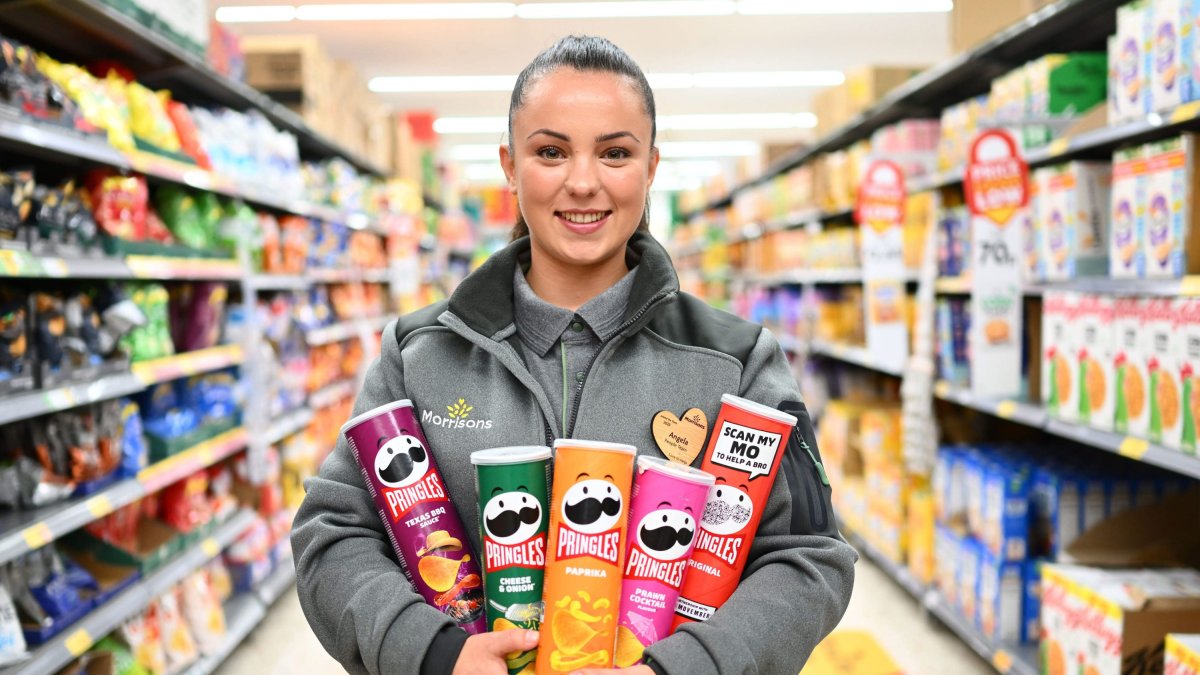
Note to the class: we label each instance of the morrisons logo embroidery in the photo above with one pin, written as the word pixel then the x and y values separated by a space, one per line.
pixel 456 417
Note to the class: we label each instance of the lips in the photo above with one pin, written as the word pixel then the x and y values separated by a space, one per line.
pixel 506 523
pixel 665 537
pixel 583 228
pixel 589 510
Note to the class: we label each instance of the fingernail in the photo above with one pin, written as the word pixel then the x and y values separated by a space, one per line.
pixel 531 637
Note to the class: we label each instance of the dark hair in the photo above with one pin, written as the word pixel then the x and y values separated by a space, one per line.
pixel 583 53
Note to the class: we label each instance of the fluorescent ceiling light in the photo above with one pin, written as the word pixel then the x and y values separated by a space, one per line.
pixel 783 7
pixel 470 125
pixel 671 80
pixel 256 14
pixel 447 83
pixel 709 149
pixel 625 9
pixel 417 11
pixel 689 168
pixel 734 121
pixel 770 79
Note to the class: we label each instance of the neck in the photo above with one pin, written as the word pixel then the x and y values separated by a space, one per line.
pixel 571 286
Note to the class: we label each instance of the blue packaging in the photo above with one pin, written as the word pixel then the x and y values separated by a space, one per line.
pixel 946 547
pixel 1031 603
pixel 1001 598
pixel 1006 511
pixel 970 555
pixel 974 467
pixel 1057 510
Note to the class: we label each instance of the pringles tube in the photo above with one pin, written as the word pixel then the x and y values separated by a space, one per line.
pixel 513 485
pixel 743 453
pixel 588 514
pixel 664 513
pixel 422 524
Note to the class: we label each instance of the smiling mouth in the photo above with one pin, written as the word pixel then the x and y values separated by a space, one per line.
pixel 588 218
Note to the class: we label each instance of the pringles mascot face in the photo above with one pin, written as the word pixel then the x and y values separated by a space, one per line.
pixel 666 533
pixel 728 510
pixel 401 461
pixel 592 505
pixel 510 518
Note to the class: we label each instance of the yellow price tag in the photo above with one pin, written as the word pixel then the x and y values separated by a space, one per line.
pixel 60 398
pixel 37 536
pixel 210 547
pixel 1134 448
pixel 1189 285
pixel 1002 661
pixel 941 389
pixel 99 506
pixel 1059 146
pixel 78 642
pixel 55 267
pixel 1006 409
pixel 1186 112
pixel 10 261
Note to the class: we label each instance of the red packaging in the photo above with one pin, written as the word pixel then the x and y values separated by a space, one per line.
pixel 744 453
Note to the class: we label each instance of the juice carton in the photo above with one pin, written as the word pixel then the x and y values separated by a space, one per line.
pixel 1166 413
pixel 1188 336
pixel 1060 376
pixel 1097 379
pixel 1132 412
pixel 1073 216
pixel 1169 68
pixel 1132 66
pixel 1006 512
pixel 1168 238
pixel 1001 594
pixel 1182 654
pixel 1126 258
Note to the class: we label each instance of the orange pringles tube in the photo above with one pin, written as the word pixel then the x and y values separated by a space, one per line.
pixel 744 453
pixel 581 589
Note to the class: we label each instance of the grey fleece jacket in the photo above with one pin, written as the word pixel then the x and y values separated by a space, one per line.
pixel 673 352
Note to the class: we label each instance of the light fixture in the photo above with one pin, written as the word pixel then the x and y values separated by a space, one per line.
pixel 770 79
pixel 689 168
pixel 442 83
pixel 784 7
pixel 625 9
pixel 671 80
pixel 417 11
pixel 700 149
pixel 256 14
pixel 470 125
pixel 738 121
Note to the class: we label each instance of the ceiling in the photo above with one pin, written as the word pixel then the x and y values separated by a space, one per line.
pixel 660 45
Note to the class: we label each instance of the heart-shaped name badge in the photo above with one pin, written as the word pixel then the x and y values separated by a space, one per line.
pixel 681 439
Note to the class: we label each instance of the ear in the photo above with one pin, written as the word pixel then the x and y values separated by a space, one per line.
pixel 508 163
pixel 654 157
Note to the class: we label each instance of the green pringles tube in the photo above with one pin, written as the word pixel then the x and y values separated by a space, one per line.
pixel 513 485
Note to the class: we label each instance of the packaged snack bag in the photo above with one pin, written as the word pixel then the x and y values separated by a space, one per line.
pixel 744 454
pixel 426 533
pixel 588 514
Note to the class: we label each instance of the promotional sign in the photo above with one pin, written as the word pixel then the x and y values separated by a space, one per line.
pixel 996 185
pixel 880 213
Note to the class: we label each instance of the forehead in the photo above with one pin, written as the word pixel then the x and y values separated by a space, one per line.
pixel 566 96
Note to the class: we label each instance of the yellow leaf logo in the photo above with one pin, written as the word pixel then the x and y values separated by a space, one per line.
pixel 459 410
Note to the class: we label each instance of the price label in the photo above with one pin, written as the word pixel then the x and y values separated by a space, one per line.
pixel 210 547
pixel 1190 285
pixel 55 267
pixel 37 536
pixel 11 262
pixel 1134 448
pixel 1185 112
pixel 1006 409
pixel 941 389
pixel 78 642
pixel 99 506
pixel 1002 661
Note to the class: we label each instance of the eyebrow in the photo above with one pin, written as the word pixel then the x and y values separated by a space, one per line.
pixel 599 139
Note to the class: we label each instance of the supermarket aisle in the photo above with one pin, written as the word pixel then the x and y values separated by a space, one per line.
pixel 283 643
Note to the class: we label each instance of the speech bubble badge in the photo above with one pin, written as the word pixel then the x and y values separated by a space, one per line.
pixel 744 449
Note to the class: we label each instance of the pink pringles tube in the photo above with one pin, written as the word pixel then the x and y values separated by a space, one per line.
pixel 665 509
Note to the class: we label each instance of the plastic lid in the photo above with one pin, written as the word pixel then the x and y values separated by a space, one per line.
pixel 646 462
pixel 595 445
pixel 758 409
pixel 375 412
pixel 517 454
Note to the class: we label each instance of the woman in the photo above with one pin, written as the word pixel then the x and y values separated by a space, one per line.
pixel 575 330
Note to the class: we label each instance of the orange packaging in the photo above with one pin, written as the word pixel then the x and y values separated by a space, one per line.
pixel 589 508
pixel 744 453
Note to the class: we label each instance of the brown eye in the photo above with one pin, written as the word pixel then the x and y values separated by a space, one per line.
pixel 550 153
pixel 616 154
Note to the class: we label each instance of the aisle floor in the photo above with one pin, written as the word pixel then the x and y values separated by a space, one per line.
pixel 283 643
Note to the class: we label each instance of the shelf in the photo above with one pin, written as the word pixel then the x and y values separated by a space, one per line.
pixel 45 401
pixel 1036 416
pixel 953 285
pixel 278 282
pixel 243 613
pixel 330 394
pixel 848 275
pixel 345 330
pixel 858 356
pixel 289 423
pixel 1185 287
pixel 103 620
pixel 23 264
pixel 165 267
pixel 1007 660
pixel 177 467
pixel 1068 25
pixel 187 364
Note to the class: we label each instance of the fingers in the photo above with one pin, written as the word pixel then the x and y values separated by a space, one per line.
pixel 505 641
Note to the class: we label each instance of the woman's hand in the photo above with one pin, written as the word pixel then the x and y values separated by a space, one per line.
pixel 483 654
pixel 635 670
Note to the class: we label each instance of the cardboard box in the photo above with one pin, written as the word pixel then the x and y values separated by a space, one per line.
pixel 288 63
pixel 1072 215
pixel 1168 69
pixel 1060 344
pixel 1058 498
pixel 974 21
pixel 1066 84
pixel 1031 603
pixel 1128 214
pixel 970 557
pixel 1190 39
pixel 1171 238
pixel 947 544
pixel 1188 335
pixel 1006 511
pixel 881 435
pixel 1132 411
pixel 1163 347
pixel 1001 596
pixel 1182 654
pixel 921 536
pixel 1097 393
pixel 1131 76
pixel 865 86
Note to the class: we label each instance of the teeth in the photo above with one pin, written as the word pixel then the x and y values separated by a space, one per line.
pixel 582 218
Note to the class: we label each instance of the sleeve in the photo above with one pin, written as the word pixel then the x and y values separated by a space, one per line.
pixel 800 573
pixel 356 598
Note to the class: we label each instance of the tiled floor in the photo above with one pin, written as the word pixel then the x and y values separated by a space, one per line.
pixel 284 645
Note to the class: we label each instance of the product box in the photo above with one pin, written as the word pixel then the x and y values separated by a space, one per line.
pixel 1163 347
pixel 947 502
pixel 1072 215
pixel 947 545
pixel 1191 50
pixel 293 63
pixel 974 21
pixel 1094 491
pixel 1188 337
pixel 974 468
pixel 1031 603
pixel 1001 595
pixel 1132 66
pixel 1132 412
pixel 1170 237
pixel 1065 84
pixel 1057 510
pixel 921 536
pixel 970 555
pixel 1006 512
pixel 1097 391
pixel 1182 654
pixel 1060 344
pixel 1126 258
pixel 1168 62
pixel 880 434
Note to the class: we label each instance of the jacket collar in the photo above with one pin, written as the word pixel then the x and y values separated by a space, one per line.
pixel 484 300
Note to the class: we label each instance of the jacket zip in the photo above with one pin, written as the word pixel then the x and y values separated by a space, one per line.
pixel 570 430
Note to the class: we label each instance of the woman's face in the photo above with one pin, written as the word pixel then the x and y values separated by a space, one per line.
pixel 581 165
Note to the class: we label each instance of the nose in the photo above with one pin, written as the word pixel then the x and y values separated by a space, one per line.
pixel 583 179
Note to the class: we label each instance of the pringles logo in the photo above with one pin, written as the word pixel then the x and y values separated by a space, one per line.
pixel 591 517
pixel 402 466
pixel 511 521
pixel 728 511
pixel 661 544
